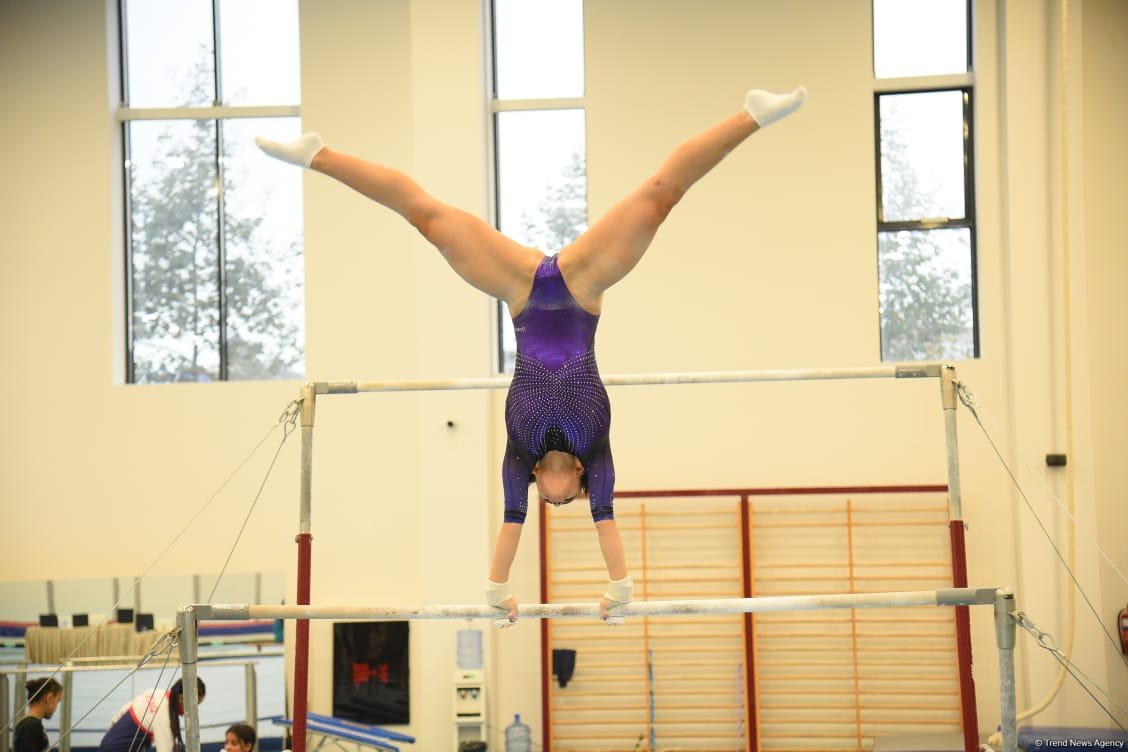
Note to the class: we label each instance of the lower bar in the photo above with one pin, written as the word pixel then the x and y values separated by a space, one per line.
pixel 945 597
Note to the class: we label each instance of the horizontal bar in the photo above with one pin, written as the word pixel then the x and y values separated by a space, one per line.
pixel 519 105
pixel 837 565
pixel 945 597
pixel 634 692
pixel 642 379
pixel 851 706
pixel 566 709
pixel 583 627
pixel 787 491
pixel 64 669
pixel 924 83
pixel 127 114
pixel 599 568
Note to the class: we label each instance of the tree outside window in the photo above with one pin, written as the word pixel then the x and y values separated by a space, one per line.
pixel 925 248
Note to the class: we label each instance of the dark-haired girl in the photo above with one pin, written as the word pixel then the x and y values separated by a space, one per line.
pixel 43 697
pixel 239 738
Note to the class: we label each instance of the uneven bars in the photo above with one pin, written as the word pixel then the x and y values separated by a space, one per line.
pixel 918 371
pixel 945 597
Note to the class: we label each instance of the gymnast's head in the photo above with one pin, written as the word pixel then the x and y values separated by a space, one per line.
pixel 43 696
pixel 176 695
pixel 560 478
pixel 239 738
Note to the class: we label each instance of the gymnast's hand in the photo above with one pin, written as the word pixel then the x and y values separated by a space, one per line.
pixel 619 593
pixel 605 615
pixel 511 605
pixel 499 596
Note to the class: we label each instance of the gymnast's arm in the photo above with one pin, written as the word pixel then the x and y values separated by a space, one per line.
pixel 601 491
pixel 515 486
pixel 505 549
pixel 611 546
pixel 620 587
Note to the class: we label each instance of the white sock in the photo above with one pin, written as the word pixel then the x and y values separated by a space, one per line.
pixel 766 108
pixel 300 151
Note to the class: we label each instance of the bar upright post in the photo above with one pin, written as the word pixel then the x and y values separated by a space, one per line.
pixel 251 697
pixel 956 531
pixel 305 559
pixel 5 707
pixel 187 620
pixel 1005 629
pixel 66 714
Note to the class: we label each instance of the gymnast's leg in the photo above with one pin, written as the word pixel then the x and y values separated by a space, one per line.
pixel 612 246
pixel 488 260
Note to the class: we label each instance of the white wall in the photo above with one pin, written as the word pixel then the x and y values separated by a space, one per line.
pixel 768 263
pixel 1104 264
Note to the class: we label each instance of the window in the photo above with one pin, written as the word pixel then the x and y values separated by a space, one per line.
pixel 538 127
pixel 925 170
pixel 214 235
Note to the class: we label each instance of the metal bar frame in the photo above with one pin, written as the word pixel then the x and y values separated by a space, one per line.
pixel 1001 599
pixel 944 372
pixel 66 705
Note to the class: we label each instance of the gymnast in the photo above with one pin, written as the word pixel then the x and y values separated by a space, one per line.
pixel 152 719
pixel 557 413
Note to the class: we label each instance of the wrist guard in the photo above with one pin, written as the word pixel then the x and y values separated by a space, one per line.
pixel 620 591
pixel 497 593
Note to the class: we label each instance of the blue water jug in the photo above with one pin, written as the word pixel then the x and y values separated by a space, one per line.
pixel 469 648
pixel 518 736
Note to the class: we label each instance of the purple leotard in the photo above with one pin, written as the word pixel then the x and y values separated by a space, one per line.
pixel 556 400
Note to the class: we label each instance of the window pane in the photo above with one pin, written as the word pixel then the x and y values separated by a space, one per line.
pixel 922 156
pixel 259 52
pixel 173 232
pixel 926 295
pixel 263 236
pixel 539 48
pixel 170 59
pixel 919 37
pixel 542 185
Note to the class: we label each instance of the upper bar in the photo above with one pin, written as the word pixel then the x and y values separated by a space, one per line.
pixel 945 597
pixel 917 371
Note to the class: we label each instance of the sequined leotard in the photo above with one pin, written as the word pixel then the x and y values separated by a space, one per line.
pixel 557 399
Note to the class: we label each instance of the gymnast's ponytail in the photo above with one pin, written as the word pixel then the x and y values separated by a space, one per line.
pixel 174 698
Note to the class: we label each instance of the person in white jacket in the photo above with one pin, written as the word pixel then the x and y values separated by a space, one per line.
pixel 150 720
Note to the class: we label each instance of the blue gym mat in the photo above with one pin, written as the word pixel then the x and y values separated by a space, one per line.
pixel 330 728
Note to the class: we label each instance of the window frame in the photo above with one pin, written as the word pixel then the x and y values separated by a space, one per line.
pixel 124 116
pixel 965 83
pixel 496 106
